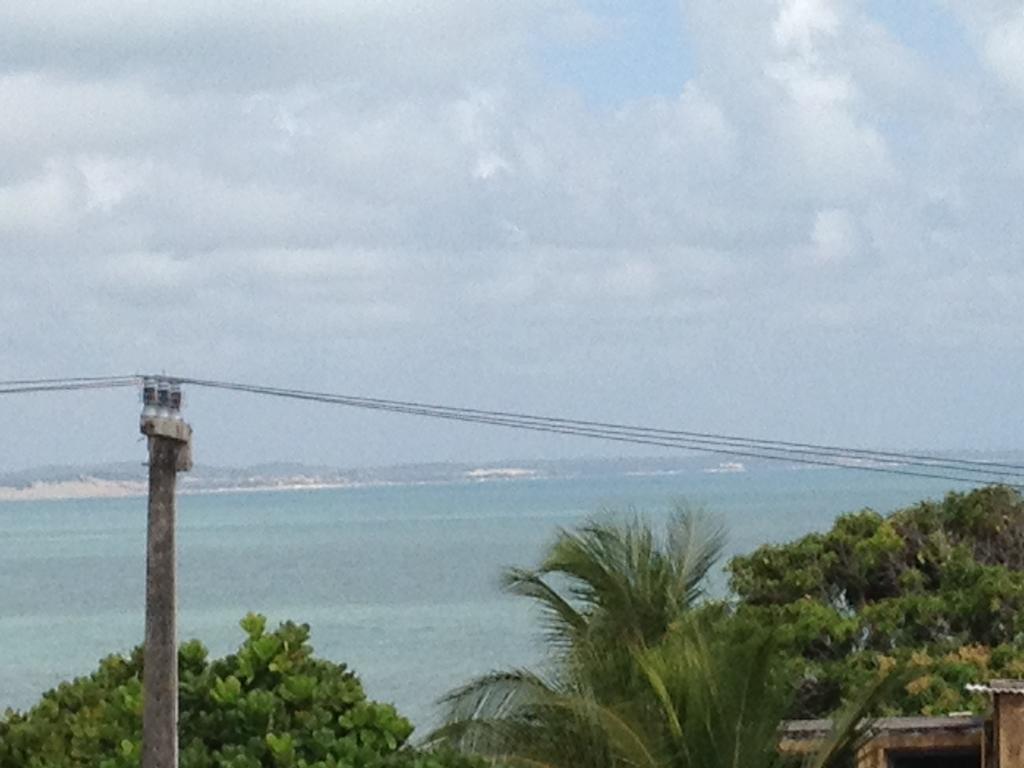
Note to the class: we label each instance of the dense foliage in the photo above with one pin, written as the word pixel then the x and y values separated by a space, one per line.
pixel 272 703
pixel 635 676
pixel 938 587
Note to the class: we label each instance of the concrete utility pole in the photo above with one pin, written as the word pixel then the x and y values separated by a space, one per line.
pixel 170 451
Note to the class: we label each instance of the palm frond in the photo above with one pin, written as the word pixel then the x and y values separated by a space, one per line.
pixel 623 738
pixel 563 623
pixel 851 725
pixel 717 698
pixel 592 560
pixel 625 582
pixel 655 677
pixel 696 542
pixel 496 695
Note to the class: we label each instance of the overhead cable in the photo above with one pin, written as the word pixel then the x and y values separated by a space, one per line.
pixel 20 386
pixel 804 453
pixel 818 455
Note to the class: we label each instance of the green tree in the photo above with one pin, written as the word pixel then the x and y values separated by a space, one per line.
pixel 635 678
pixel 272 703
pixel 937 587
pixel 703 698
pixel 603 590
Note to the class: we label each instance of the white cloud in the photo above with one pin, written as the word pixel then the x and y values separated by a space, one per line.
pixel 393 194
pixel 834 237
pixel 109 181
pixel 398 46
pixel 1004 50
pixel 800 21
pixel 997 29
pixel 47 202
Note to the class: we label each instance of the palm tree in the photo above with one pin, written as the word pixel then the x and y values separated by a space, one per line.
pixel 634 680
pixel 622 583
pixel 701 701
pixel 602 590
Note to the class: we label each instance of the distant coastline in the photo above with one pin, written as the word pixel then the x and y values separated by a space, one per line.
pixel 94 488
pixel 101 488
pixel 128 479
pixel 63 490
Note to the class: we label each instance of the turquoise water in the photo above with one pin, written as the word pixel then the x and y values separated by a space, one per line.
pixel 399 582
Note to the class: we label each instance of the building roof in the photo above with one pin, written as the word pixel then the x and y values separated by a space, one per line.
pixel 804 729
pixel 1014 687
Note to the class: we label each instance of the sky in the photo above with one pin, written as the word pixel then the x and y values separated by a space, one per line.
pixel 793 219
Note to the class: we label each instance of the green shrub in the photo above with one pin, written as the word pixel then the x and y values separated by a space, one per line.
pixel 937 588
pixel 269 704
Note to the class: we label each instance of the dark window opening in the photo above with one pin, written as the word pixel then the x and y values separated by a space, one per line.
pixel 970 758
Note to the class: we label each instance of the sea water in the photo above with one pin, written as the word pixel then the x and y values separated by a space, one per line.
pixel 399 582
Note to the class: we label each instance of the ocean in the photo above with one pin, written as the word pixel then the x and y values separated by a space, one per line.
pixel 399 582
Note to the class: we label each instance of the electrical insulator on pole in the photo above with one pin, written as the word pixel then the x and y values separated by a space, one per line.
pixel 150 409
pixel 175 401
pixel 163 399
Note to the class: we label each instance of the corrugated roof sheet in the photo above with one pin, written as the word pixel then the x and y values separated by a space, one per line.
pixel 807 728
pixel 1015 687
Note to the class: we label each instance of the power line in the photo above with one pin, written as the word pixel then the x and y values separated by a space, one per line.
pixel 829 456
pixel 22 386
pixel 698 437
pixel 61 379
pixel 889 462
pixel 777 446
